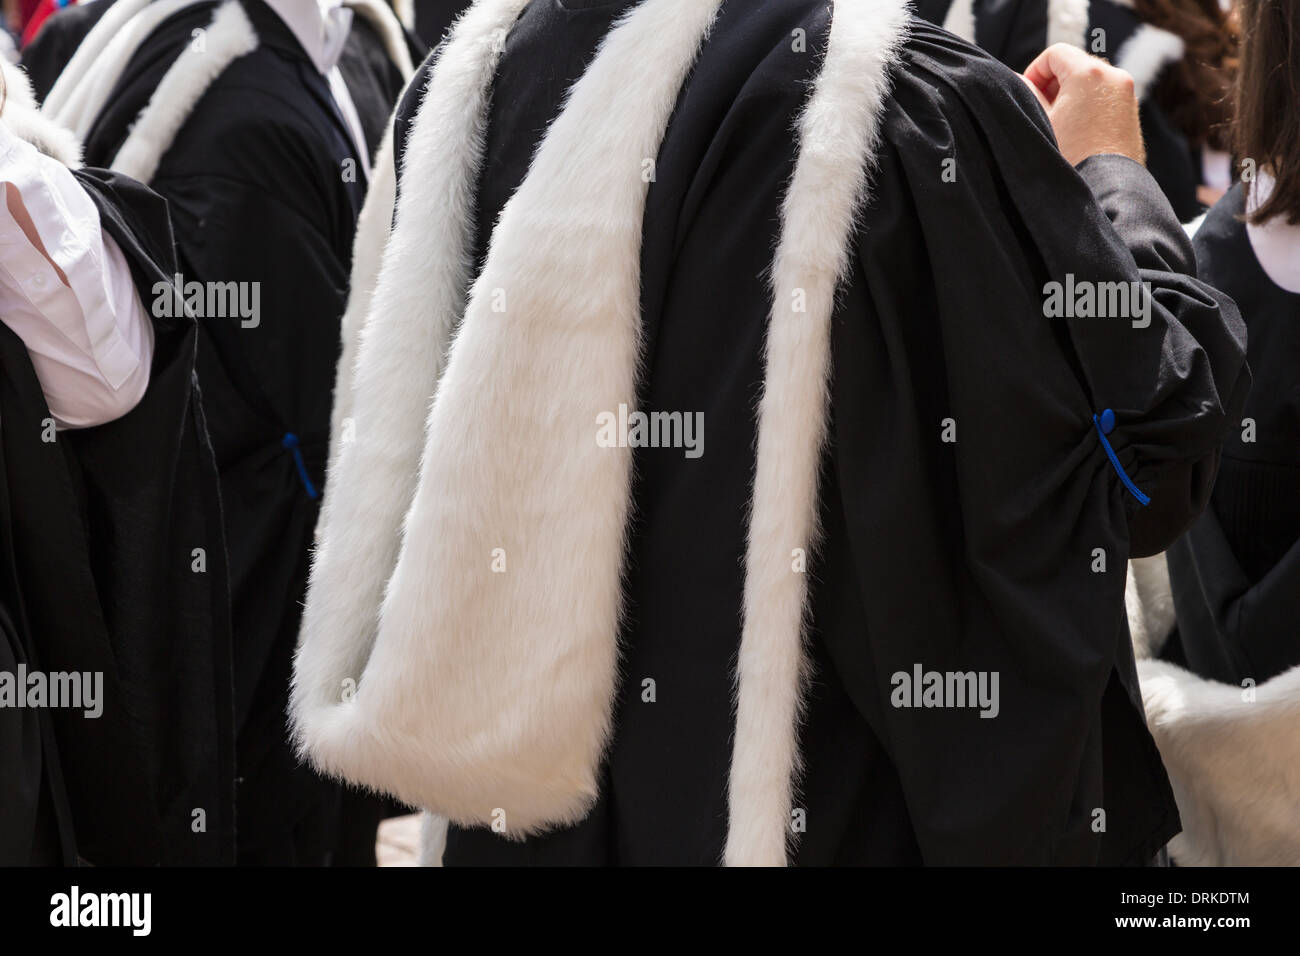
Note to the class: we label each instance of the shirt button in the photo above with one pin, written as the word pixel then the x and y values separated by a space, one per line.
pixel 39 282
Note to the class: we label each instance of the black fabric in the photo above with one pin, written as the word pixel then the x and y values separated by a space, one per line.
pixel 434 17
pixel 119 564
pixel 1236 574
pixel 35 822
pixel 57 40
pixel 968 556
pixel 372 79
pixel 256 187
pixel 1015 32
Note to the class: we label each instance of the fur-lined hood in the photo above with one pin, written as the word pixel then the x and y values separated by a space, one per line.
pixel 1233 757
pixel 488 697
pixel 24 119
pixel 1232 753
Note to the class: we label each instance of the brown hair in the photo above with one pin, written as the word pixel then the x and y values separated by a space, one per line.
pixel 1196 92
pixel 1267 127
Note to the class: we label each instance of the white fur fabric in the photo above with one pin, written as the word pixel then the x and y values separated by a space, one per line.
pixel 1146 54
pixel 26 122
pixel 374 225
pixel 389 26
pixel 837 133
pixel 368 245
pixel 484 696
pixel 403 351
pixel 1067 22
pixel 87 99
pixel 1149 601
pixel 487 695
pixel 90 54
pixel 1234 763
pixel 229 37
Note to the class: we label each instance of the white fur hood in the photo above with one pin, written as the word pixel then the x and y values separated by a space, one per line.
pixel 24 119
pixel 486 697
pixel 1232 753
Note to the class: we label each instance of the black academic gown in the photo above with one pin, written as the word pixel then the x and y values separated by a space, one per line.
pixel 973 555
pixel 372 78
pixel 1015 32
pixel 35 820
pixel 1236 574
pixel 112 560
pixel 57 40
pixel 259 192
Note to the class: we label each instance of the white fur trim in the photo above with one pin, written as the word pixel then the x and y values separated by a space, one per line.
pixel 490 693
pixel 960 19
pixel 482 692
pixel 27 123
pixel 400 361
pixel 229 37
pixel 87 101
pixel 89 54
pixel 405 10
pixel 1146 54
pixel 1149 600
pixel 1067 22
pixel 838 134
pixel 368 245
pixel 383 19
pixel 18 86
pixel 1234 764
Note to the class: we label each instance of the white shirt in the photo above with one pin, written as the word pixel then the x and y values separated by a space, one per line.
pixel 1276 243
pixel 90 341
pixel 1216 169
pixel 321 29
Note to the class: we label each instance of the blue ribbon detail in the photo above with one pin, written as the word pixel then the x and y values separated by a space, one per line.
pixel 1105 424
pixel 290 441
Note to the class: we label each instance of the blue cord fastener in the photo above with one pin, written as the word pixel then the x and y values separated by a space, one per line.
pixel 1105 424
pixel 290 441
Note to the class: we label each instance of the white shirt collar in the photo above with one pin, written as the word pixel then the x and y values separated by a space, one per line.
pixel 1276 243
pixel 320 26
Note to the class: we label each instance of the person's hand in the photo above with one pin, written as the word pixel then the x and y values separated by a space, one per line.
pixel 1090 103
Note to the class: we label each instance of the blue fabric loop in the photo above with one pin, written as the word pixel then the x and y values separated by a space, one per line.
pixel 1105 424
pixel 290 441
